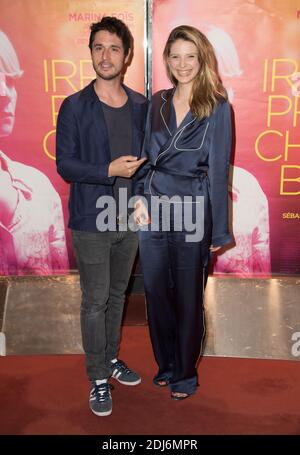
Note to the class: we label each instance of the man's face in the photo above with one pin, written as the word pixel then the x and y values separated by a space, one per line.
pixel 8 101
pixel 108 55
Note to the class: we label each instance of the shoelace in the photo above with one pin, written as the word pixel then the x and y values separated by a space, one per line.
pixel 120 365
pixel 101 392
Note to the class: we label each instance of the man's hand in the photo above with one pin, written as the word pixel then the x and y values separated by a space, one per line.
pixel 125 166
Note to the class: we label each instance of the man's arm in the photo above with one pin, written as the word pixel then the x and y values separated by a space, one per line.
pixel 69 164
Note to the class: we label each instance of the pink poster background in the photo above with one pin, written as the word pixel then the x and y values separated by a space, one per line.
pixel 257 44
pixel 50 39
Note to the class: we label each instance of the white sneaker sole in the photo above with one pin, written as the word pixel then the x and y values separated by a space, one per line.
pixel 138 381
pixel 101 414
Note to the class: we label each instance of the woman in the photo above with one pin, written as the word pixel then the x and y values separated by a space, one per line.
pixel 188 145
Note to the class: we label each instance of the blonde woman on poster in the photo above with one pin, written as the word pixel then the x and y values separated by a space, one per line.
pixel 32 232
pixel 188 146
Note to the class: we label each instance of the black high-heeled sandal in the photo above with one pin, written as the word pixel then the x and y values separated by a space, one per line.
pixel 179 397
pixel 161 382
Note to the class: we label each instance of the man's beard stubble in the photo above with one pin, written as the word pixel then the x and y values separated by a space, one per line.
pixel 105 77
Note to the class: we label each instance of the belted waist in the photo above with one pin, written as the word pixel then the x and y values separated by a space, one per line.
pixel 201 172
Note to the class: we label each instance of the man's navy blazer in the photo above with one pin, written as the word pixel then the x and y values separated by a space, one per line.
pixel 83 154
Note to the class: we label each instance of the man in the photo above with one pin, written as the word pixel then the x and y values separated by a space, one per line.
pixel 99 135
pixel 32 233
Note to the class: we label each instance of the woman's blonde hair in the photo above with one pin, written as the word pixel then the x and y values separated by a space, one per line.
pixel 207 88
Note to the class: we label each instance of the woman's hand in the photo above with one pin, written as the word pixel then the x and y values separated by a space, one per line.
pixel 141 215
pixel 213 249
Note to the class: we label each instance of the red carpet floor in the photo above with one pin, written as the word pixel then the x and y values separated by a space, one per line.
pixel 49 395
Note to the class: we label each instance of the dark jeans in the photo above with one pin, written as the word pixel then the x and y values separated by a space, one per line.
pixel 105 261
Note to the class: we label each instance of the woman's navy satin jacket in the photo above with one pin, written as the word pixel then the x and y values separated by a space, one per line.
pixel 189 160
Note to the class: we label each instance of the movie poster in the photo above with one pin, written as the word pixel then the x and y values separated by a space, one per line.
pixel 257 44
pixel 44 57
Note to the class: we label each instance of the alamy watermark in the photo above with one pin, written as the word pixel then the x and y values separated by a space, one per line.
pixel 161 213
pixel 295 351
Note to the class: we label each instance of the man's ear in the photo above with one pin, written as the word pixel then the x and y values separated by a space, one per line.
pixel 128 56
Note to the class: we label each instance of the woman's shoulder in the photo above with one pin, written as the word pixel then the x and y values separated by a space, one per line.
pixel 162 95
pixel 222 106
pixel 222 102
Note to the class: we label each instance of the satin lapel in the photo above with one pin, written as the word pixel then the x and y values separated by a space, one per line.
pixel 188 119
pixel 167 112
pixel 168 117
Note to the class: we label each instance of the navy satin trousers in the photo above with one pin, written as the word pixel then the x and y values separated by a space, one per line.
pixel 175 273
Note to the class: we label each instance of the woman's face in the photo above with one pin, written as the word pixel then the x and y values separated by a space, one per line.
pixel 183 61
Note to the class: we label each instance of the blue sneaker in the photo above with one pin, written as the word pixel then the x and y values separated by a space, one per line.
pixel 123 374
pixel 100 399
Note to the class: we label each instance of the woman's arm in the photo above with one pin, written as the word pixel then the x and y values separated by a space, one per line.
pixel 219 158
